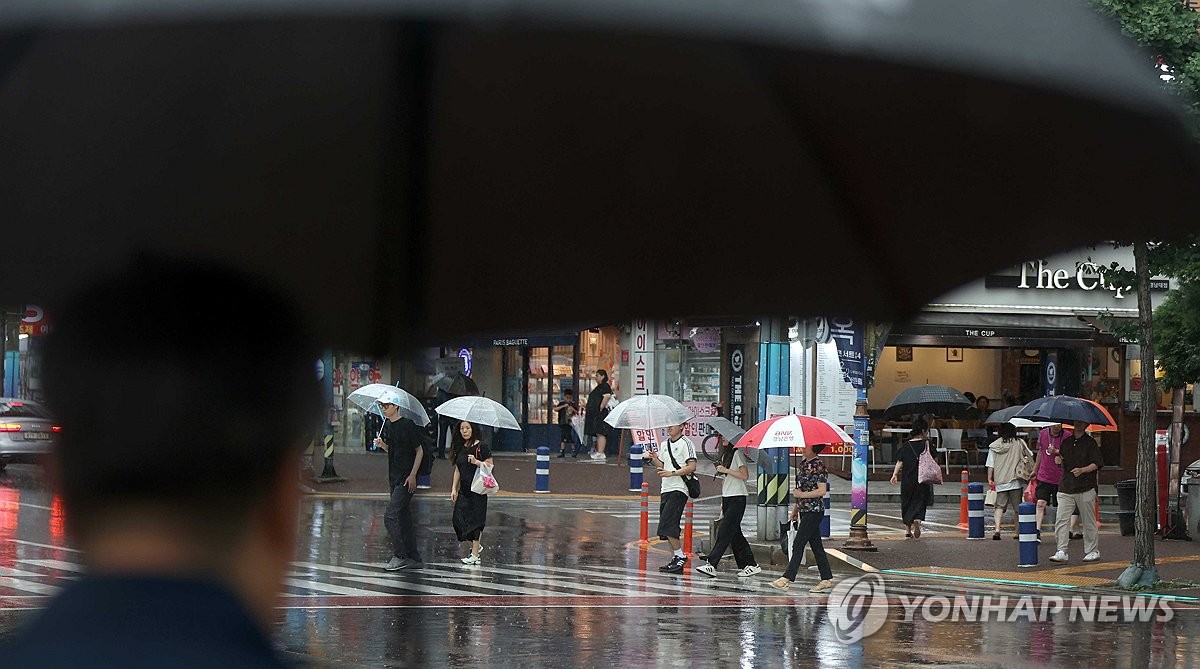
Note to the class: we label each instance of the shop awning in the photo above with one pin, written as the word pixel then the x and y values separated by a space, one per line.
pixel 982 330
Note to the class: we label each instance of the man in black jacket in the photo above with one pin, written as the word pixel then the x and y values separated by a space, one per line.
pixel 403 441
pixel 187 523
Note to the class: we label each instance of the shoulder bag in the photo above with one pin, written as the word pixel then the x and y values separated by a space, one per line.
pixel 693 483
pixel 928 470
pixel 1025 466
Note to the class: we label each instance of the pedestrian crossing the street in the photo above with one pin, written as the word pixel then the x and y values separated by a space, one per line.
pixel 31 581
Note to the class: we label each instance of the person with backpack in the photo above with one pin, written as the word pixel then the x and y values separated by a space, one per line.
pixel 406 450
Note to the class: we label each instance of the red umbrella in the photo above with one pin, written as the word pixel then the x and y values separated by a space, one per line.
pixel 794 431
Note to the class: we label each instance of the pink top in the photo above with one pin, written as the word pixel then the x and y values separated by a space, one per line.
pixel 1048 446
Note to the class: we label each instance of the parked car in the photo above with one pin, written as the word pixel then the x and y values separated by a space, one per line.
pixel 27 431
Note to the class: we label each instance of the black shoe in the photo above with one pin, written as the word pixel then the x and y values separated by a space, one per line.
pixel 675 566
pixel 562 454
pixel 996 537
pixel 1076 535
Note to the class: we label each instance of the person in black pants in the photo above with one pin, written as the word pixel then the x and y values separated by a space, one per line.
pixel 731 463
pixel 401 438
pixel 812 482
pixel 565 409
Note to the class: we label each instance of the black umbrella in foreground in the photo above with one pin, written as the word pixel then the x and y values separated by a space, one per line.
pixel 411 169
pixel 938 400
pixel 1063 409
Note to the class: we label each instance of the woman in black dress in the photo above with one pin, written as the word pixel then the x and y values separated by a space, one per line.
pixel 914 496
pixel 470 508
pixel 596 411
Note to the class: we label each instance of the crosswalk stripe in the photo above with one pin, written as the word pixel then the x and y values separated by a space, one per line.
pixel 26 586
pixel 327 587
pixel 56 564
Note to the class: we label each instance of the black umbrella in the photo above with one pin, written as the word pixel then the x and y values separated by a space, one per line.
pixel 412 168
pixel 937 400
pixel 726 428
pixel 457 384
pixel 1063 409
pixel 1003 415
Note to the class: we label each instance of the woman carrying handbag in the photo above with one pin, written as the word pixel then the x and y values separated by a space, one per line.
pixel 915 496
pixel 470 508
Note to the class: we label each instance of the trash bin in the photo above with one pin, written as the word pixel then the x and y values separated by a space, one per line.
pixel 1127 503
pixel 1192 507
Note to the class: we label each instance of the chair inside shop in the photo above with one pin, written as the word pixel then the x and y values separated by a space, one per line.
pixel 951 442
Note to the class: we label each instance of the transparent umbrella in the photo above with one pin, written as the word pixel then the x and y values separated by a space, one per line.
pixel 370 396
pixel 648 412
pixel 479 410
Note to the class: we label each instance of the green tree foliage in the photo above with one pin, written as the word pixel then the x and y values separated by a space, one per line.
pixel 1167 30
pixel 1177 330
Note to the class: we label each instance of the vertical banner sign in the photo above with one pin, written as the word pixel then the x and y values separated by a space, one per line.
pixel 1050 374
pixel 849 340
pixel 642 359
pixel 773 496
pixel 737 374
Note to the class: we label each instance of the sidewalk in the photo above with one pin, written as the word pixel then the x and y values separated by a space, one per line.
pixel 366 473
pixel 942 554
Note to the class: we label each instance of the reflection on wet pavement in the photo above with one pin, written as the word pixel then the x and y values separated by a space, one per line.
pixel 560 587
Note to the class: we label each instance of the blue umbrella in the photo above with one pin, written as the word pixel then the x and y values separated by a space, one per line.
pixel 1063 409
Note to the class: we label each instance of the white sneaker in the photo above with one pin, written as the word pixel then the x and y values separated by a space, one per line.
pixel 750 571
pixel 1092 557
pixel 1060 556
pixel 598 456
pixel 471 559
pixel 706 569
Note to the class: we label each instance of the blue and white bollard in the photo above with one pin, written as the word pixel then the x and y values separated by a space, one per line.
pixel 1027 526
pixel 635 468
pixel 542 482
pixel 975 511
pixel 826 530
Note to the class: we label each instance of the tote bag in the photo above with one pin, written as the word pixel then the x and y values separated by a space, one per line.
pixel 484 482
pixel 928 470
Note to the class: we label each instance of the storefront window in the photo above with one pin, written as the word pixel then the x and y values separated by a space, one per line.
pixel 598 349
pixel 539 385
pixel 512 382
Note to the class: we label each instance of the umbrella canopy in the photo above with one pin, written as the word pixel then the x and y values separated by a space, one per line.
pixel 479 410
pixel 268 133
pixel 934 399
pixel 726 428
pixel 1097 427
pixel 457 384
pixel 1065 409
pixel 370 396
pixel 1035 424
pixel 794 431
pixel 648 412
pixel 1003 415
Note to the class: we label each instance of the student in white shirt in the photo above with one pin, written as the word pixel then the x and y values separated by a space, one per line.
pixel 677 461
pixel 731 463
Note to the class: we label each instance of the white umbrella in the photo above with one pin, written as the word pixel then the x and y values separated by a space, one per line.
pixel 369 397
pixel 646 412
pixel 1026 423
pixel 479 410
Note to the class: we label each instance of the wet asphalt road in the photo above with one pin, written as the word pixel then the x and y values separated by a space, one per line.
pixel 561 586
